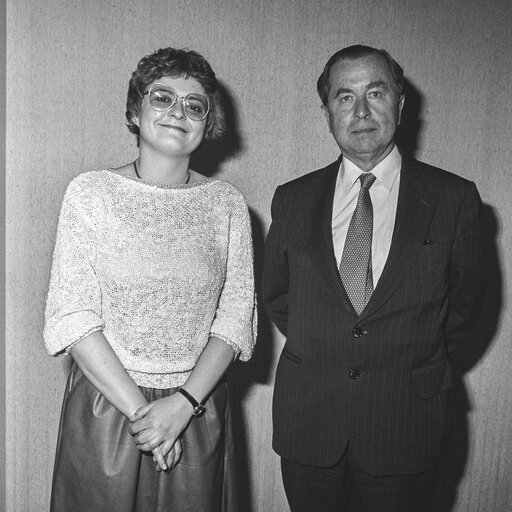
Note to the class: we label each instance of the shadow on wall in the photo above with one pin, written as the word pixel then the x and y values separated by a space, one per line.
pixel 242 376
pixel 208 160
pixel 454 462
pixel 409 130
pixel 457 443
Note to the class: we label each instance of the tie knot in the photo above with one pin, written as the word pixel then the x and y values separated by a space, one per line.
pixel 367 180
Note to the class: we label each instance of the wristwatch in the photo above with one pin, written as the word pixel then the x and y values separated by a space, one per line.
pixel 199 408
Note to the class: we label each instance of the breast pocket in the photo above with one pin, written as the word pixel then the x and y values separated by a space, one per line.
pixel 432 247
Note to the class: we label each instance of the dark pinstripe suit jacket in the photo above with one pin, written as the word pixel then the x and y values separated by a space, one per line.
pixel 379 381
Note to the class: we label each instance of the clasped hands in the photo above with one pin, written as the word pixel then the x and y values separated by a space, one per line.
pixel 157 427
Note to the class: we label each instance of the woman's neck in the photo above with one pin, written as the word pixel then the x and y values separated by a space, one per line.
pixel 163 170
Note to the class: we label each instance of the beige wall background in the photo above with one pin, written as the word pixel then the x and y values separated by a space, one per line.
pixel 68 65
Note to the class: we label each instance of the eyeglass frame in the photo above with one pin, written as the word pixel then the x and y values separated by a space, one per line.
pixel 178 97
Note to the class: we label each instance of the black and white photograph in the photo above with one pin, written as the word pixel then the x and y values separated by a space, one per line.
pixel 256 256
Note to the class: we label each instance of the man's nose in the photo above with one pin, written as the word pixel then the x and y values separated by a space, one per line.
pixel 361 110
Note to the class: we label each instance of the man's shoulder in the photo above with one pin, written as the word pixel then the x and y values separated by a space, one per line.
pixel 311 179
pixel 434 173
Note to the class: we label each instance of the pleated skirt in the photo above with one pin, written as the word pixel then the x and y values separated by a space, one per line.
pixel 99 469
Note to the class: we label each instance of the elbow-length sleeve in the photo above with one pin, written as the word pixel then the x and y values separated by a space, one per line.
pixel 73 306
pixel 236 318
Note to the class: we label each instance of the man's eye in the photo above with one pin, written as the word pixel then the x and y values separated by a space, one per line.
pixel 344 99
pixel 376 94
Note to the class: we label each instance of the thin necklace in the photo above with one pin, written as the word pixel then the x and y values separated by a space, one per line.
pixel 138 175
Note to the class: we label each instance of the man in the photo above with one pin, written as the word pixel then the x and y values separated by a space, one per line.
pixel 372 275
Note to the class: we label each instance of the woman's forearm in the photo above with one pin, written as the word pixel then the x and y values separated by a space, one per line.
pixel 99 363
pixel 161 422
pixel 211 366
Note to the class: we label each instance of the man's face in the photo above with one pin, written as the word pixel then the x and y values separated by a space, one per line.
pixel 363 109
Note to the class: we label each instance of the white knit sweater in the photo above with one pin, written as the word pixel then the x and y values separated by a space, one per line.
pixel 159 269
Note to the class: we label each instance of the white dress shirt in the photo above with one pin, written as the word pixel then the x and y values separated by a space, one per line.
pixel 384 196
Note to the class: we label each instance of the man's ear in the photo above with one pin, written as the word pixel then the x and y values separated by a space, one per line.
pixel 327 117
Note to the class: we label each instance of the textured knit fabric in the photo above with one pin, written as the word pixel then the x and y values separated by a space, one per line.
pixel 159 269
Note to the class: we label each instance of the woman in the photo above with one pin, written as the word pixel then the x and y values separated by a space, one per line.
pixel 152 295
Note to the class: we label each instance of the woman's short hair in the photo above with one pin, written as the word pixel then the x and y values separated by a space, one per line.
pixel 359 51
pixel 175 63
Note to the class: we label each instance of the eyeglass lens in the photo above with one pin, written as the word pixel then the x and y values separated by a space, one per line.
pixel 195 106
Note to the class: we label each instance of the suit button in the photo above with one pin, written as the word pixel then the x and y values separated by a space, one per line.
pixel 357 332
pixel 354 374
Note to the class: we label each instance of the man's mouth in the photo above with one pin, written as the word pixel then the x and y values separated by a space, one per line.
pixel 364 130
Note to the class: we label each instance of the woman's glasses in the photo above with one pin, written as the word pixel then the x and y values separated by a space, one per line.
pixel 195 106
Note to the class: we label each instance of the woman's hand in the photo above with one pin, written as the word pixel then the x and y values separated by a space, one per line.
pixel 99 363
pixel 159 459
pixel 172 459
pixel 160 423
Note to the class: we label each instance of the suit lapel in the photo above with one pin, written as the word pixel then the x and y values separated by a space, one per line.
pixel 322 248
pixel 416 206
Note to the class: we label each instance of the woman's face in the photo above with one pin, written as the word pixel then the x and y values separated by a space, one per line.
pixel 170 131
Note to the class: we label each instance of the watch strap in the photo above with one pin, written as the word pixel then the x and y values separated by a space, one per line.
pixel 199 408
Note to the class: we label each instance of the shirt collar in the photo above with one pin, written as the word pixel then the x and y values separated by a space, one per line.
pixel 386 171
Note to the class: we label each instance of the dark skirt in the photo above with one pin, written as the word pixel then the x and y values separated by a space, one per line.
pixel 98 467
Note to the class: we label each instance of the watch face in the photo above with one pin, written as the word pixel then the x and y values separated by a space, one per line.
pixel 199 410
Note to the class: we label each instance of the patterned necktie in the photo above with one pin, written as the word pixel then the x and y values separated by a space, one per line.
pixel 356 260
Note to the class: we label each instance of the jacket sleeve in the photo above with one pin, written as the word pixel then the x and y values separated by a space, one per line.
pixel 466 281
pixel 73 306
pixel 275 270
pixel 235 318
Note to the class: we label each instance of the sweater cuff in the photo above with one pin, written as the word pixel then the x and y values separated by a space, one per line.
pixel 241 352
pixel 61 335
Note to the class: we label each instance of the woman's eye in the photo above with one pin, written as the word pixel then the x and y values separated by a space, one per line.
pixel 162 99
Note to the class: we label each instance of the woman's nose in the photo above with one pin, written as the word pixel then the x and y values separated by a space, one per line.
pixel 177 109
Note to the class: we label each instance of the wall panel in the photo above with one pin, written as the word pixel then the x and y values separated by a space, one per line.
pixel 68 65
